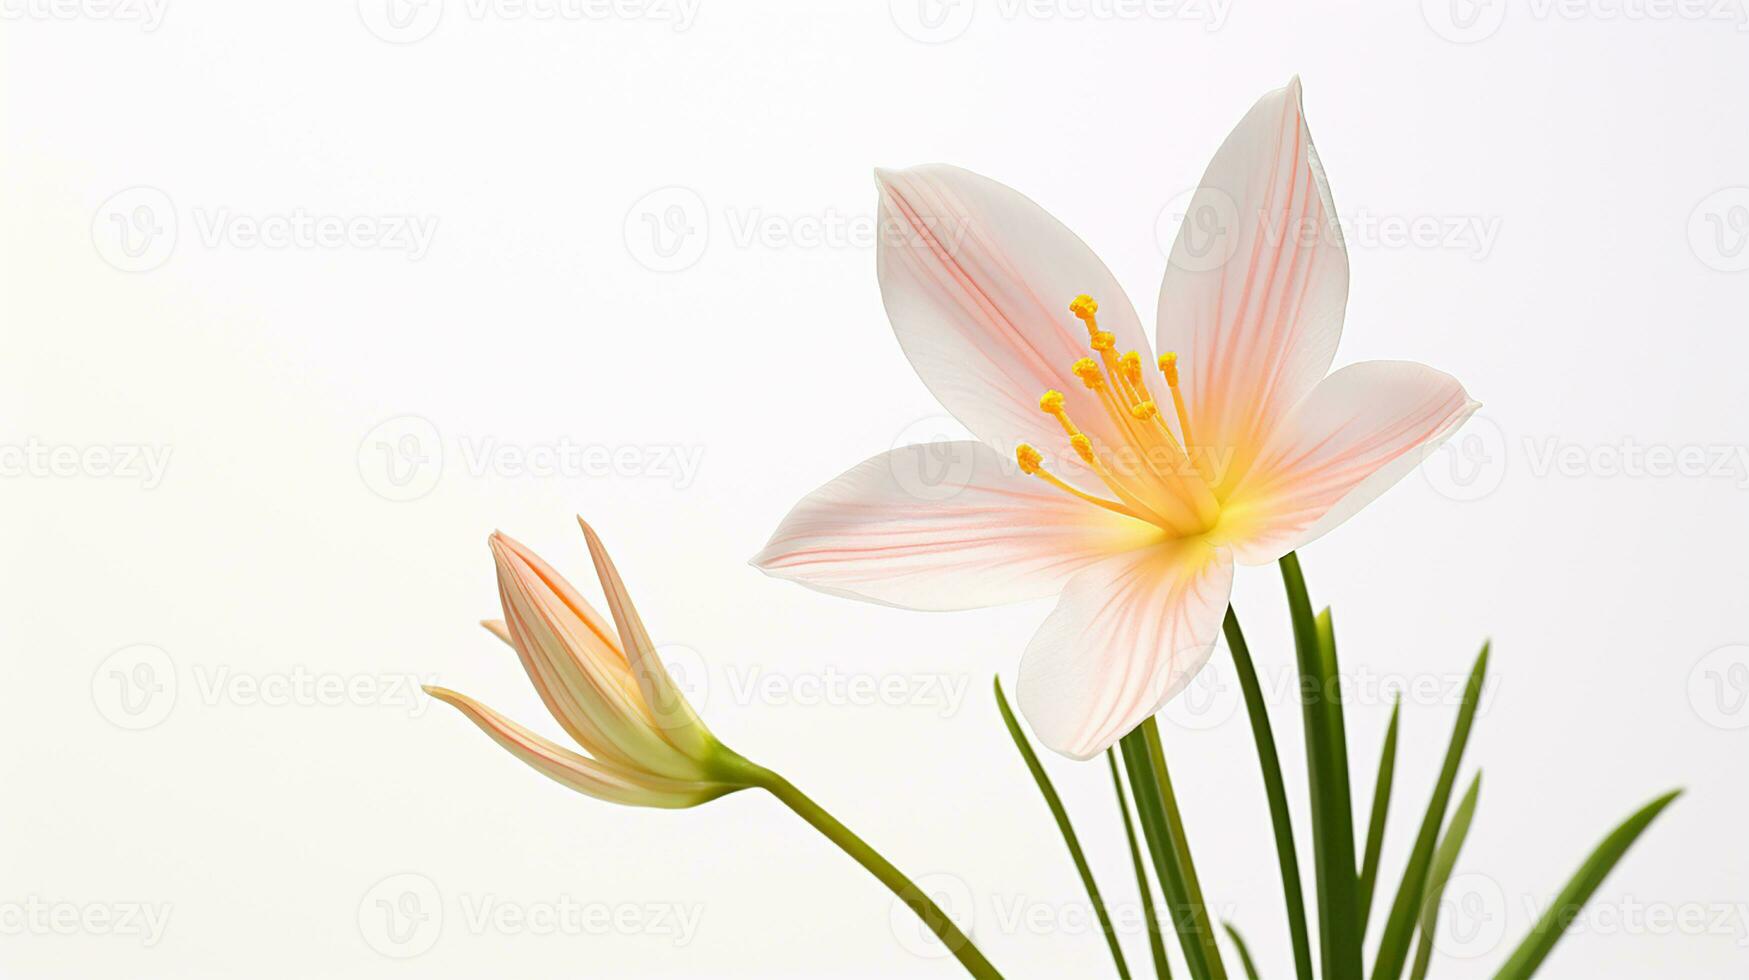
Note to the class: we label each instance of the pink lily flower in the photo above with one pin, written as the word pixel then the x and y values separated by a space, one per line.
pixel 1236 444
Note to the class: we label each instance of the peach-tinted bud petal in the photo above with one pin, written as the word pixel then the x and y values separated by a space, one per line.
pixel 673 714
pixel 579 668
pixel 591 777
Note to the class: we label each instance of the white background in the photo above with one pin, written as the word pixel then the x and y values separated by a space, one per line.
pixel 1577 176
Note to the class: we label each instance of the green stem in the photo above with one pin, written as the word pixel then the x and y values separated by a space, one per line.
pixel 1156 940
pixel 895 880
pixel 1064 827
pixel 1338 883
pixel 1164 830
pixel 1276 789
pixel 1205 929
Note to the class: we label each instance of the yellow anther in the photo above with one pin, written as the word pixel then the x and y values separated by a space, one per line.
pixel 1104 340
pixel 1029 458
pixel 1083 448
pixel 1132 367
pixel 1083 307
pixel 1169 367
pixel 1088 371
pixel 1143 411
pixel 1051 402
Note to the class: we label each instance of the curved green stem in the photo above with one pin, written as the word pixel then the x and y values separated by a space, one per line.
pixel 1156 940
pixel 956 941
pixel 1276 790
pixel 1064 827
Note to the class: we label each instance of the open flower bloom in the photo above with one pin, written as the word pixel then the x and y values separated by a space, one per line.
pixel 610 693
pixel 1125 483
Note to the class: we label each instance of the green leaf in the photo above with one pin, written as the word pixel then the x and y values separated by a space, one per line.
pixel 1156 939
pixel 1275 789
pixel 1244 951
pixel 1549 929
pixel 1164 832
pixel 1443 860
pixel 1381 804
pixel 1400 924
pixel 1067 829
pixel 1327 769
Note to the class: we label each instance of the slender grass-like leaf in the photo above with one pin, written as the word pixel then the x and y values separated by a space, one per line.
pixel 1549 929
pixel 1156 939
pixel 1061 816
pixel 1375 829
pixel 1244 951
pixel 1204 926
pixel 1338 883
pixel 1150 811
pixel 1276 790
pixel 1400 923
pixel 1443 860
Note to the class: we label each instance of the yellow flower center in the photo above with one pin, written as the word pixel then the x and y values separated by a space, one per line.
pixel 1153 475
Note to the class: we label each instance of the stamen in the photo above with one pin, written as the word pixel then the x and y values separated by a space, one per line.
pixel 1162 491
pixel 1087 369
pixel 1169 367
pixel 1032 464
pixel 1051 403
pixel 1132 368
